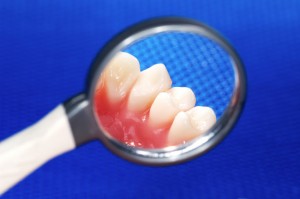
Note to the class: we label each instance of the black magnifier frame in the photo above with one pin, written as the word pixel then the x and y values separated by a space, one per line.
pixel 82 117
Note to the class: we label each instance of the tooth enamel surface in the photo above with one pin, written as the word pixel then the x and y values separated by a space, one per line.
pixel 183 97
pixel 167 104
pixel 163 110
pixel 191 124
pixel 202 118
pixel 149 84
pixel 119 76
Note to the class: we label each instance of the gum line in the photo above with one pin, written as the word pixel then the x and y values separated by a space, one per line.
pixel 128 127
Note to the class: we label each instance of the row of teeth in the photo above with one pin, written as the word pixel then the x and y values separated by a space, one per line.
pixel 151 88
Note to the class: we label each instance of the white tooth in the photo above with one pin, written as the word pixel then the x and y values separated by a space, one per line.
pixel 163 110
pixel 191 124
pixel 119 76
pixel 150 82
pixel 202 118
pixel 181 129
pixel 183 97
pixel 167 104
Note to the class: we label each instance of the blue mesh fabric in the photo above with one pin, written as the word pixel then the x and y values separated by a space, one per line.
pixel 192 61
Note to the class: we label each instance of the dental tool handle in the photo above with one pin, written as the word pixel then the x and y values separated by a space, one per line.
pixel 27 150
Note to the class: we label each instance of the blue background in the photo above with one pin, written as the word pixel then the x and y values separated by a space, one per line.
pixel 46 48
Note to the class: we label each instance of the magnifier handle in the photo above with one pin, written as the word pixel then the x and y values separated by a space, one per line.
pixel 27 150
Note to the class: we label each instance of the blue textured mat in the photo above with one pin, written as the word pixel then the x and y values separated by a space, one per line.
pixel 46 48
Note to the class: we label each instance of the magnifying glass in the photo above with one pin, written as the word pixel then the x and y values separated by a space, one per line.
pixel 161 92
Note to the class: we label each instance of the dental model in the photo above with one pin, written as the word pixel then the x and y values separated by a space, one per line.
pixel 141 109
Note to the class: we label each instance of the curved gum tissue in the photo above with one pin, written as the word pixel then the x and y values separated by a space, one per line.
pixel 141 109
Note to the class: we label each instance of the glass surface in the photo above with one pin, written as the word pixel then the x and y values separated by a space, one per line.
pixel 164 90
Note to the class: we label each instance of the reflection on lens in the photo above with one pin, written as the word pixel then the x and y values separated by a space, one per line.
pixel 149 99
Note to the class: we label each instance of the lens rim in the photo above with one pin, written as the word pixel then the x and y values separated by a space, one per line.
pixel 196 147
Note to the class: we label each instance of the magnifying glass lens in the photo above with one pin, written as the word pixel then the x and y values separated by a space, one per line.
pixel 164 89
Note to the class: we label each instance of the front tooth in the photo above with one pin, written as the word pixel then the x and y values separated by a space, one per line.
pixel 119 76
pixel 167 104
pixel 149 84
pixel 191 124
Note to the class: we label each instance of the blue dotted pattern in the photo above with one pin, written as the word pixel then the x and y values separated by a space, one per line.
pixel 193 61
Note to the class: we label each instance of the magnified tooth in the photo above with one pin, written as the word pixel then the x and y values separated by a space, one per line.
pixel 119 76
pixel 191 124
pixel 167 104
pixel 183 97
pixel 149 84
